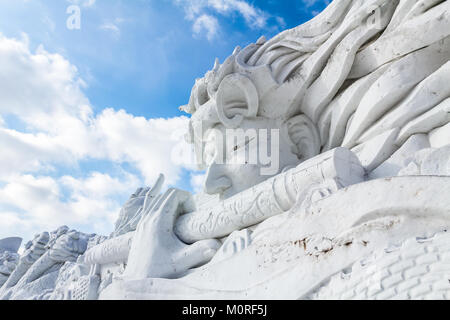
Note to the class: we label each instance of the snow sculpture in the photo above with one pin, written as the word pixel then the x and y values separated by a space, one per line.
pixel 8 257
pixel 33 251
pixel 76 281
pixel 38 267
pixel 354 107
pixel 8 262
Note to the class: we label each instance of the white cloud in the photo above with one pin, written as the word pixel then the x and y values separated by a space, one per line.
pixel 38 203
pixel 99 185
pixel 310 3
pixel 89 3
pixel 46 95
pixel 109 26
pixel 113 27
pixel 200 12
pixel 147 144
pixel 197 182
pixel 206 23
pixel 58 130
pixel 84 3
pixel 40 79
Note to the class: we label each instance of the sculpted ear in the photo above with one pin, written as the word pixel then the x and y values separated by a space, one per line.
pixel 304 136
pixel 236 99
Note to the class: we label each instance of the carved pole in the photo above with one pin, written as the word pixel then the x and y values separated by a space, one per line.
pixel 270 198
pixel 110 251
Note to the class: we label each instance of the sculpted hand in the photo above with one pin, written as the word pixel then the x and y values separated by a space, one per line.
pixel 156 252
pixel 131 213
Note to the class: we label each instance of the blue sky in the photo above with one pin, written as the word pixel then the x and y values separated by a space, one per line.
pixel 89 115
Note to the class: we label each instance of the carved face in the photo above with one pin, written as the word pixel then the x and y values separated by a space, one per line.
pixel 243 125
pixel 240 142
pixel 239 159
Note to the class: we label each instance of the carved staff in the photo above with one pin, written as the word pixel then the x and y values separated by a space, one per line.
pixel 270 198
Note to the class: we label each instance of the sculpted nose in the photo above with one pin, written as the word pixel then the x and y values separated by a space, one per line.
pixel 216 182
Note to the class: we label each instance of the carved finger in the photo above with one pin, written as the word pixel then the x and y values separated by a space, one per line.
pixel 144 192
pixel 153 192
pixel 154 205
pixel 199 253
pixel 137 216
pixel 136 193
pixel 162 199
pixel 146 215
pixel 169 209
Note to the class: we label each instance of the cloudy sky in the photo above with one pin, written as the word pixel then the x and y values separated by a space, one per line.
pixel 88 115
